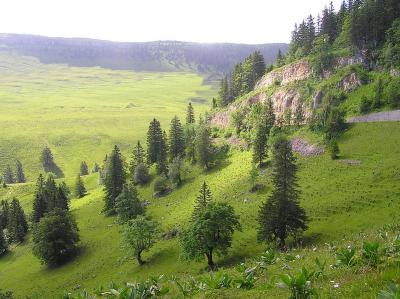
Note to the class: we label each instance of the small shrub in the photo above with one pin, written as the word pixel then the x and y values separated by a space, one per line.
pixel 365 105
pixel 333 148
pixel 218 280
pixel 346 257
pixel 370 254
pixel 269 257
pixel 300 286
pixel 247 279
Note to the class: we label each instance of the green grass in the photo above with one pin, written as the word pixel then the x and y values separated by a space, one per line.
pixel 341 200
pixel 80 113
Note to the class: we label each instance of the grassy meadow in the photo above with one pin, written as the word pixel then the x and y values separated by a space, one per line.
pixel 342 200
pixel 80 113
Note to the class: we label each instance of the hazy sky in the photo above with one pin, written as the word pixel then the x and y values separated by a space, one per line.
pixel 244 21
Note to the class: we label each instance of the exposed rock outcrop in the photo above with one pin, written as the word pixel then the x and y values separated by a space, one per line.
pixel 300 70
pixel 349 82
pixel 304 148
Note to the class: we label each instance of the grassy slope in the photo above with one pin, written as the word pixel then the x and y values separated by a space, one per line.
pixel 341 200
pixel 82 112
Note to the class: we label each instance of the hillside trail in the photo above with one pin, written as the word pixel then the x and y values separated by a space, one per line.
pixel 393 115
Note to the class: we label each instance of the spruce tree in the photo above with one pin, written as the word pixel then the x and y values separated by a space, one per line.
pixel 204 147
pixel 17 226
pixel 202 200
pixel 154 141
pixel 96 168
pixel 128 204
pixel 39 202
pixel 84 170
pixel 114 180
pixel 190 119
pixel 4 208
pixel 259 64
pixel 141 174
pixel 19 172
pixel 62 200
pixel 176 139
pixel 281 214
pixel 260 144
pixel 223 94
pixel 162 165
pixel 3 242
pixel 138 157
pixel 48 163
pixel 190 142
pixel 50 193
pixel 8 175
pixel 80 190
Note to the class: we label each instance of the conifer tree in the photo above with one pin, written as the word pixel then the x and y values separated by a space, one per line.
pixel 141 174
pixel 176 139
pixel 204 148
pixel 128 204
pixel 50 193
pixel 17 226
pixel 259 64
pixel 80 190
pixel 162 164
pixel 48 163
pixel 96 168
pixel 114 180
pixel 19 172
pixel 190 142
pixel 62 198
pixel 138 157
pixel 4 208
pixel 3 242
pixel 154 141
pixel 281 214
pixel 190 119
pixel 8 175
pixel 260 144
pixel 280 59
pixel 39 201
pixel 223 94
pixel 237 81
pixel 202 200
pixel 84 170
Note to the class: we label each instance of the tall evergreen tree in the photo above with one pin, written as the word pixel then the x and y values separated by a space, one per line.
pixel 39 202
pixel 162 164
pixel 202 200
pixel 48 163
pixel 8 175
pixel 138 157
pixel 154 141
pixel 19 172
pixel 281 214
pixel 84 169
pixel 259 64
pixel 62 198
pixel 176 139
pixel 128 204
pixel 50 193
pixel 204 147
pixel 3 242
pixel 80 190
pixel 280 59
pixel 190 142
pixel 223 94
pixel 190 119
pixel 260 144
pixel 4 208
pixel 114 180
pixel 17 226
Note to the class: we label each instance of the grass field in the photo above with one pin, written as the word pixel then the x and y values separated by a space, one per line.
pixel 341 199
pixel 80 113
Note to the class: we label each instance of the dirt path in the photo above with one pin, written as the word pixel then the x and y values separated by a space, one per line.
pixel 379 116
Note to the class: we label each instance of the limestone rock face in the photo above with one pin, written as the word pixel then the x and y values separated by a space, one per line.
pixel 349 82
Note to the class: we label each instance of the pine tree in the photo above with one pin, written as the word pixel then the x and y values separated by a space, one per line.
pixel 259 64
pixel 128 204
pixel 260 144
pixel 19 172
pixel 48 163
pixel 280 59
pixel 269 115
pixel 236 85
pixel 281 214
pixel 84 170
pixel 190 114
pixel 202 200
pixel 80 190
pixel 190 142
pixel 39 201
pixel 17 226
pixel 62 200
pixel 114 180
pixel 204 148
pixel 96 168
pixel 176 139
pixel 138 157
pixel 50 193
pixel 8 175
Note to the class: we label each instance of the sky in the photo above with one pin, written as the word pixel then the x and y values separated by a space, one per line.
pixel 244 21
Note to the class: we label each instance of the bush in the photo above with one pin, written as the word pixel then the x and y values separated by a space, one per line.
pixel 370 254
pixel 160 186
pixel 55 237
pixel 346 257
pixel 141 175
pixel 393 94
pixel 365 105
pixel 333 148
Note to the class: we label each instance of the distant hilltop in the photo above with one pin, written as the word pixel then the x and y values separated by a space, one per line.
pixel 214 58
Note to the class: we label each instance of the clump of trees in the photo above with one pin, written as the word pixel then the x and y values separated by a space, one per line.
pixel 48 163
pixel 10 177
pixel 242 80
